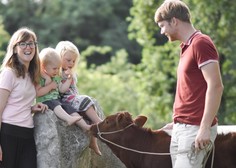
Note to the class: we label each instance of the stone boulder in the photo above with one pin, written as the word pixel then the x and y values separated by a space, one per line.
pixel 62 146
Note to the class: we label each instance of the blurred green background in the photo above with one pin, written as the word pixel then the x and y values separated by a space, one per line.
pixel 125 63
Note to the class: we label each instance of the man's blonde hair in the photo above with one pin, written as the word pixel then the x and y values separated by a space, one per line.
pixel 172 8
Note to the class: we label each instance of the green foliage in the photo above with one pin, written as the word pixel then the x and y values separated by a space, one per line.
pixel 157 76
pixel 110 84
pixel 142 26
pixel 97 55
pixel 85 23
pixel 145 89
pixel 3 40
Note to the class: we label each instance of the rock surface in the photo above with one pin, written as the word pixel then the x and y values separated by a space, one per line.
pixel 62 146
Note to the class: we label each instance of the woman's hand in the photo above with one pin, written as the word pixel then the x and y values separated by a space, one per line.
pixel 39 107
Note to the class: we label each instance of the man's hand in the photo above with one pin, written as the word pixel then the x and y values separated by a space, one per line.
pixel 202 138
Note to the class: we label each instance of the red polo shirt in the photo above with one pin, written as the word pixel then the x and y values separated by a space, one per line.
pixel 191 85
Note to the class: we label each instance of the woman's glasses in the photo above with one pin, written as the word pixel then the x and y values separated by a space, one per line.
pixel 23 45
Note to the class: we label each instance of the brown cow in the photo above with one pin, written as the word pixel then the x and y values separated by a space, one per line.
pixel 139 147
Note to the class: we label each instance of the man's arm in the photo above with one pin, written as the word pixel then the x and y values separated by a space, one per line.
pixel 211 73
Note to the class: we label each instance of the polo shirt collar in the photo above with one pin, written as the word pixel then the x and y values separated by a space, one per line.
pixel 190 39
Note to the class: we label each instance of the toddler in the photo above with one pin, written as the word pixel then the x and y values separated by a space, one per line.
pixel 83 104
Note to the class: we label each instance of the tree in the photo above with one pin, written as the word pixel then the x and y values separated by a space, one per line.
pixel 3 40
pixel 85 23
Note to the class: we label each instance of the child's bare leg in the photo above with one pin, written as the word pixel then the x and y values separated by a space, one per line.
pixel 92 115
pixel 94 145
pixel 93 140
pixel 81 123
pixel 60 112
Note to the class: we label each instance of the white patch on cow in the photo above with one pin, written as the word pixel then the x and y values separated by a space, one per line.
pixel 226 129
pixel 221 129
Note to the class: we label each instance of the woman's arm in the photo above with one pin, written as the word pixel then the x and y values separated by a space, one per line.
pixel 4 98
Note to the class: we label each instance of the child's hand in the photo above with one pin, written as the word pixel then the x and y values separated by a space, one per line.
pixel 68 73
pixel 53 85
pixel 44 75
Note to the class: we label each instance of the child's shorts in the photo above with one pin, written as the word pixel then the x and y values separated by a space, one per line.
pixel 57 102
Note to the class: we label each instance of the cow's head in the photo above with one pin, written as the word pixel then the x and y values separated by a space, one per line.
pixel 118 121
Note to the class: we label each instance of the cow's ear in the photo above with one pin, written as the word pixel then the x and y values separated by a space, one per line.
pixel 140 120
pixel 119 117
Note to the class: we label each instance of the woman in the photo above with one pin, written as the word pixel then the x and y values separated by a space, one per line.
pixel 20 73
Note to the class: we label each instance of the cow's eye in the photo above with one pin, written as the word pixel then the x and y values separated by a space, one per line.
pixel 106 121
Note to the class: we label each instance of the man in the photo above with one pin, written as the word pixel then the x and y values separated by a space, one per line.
pixel 199 85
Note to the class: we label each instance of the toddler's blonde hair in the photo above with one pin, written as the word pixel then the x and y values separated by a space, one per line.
pixel 67 46
pixel 49 56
